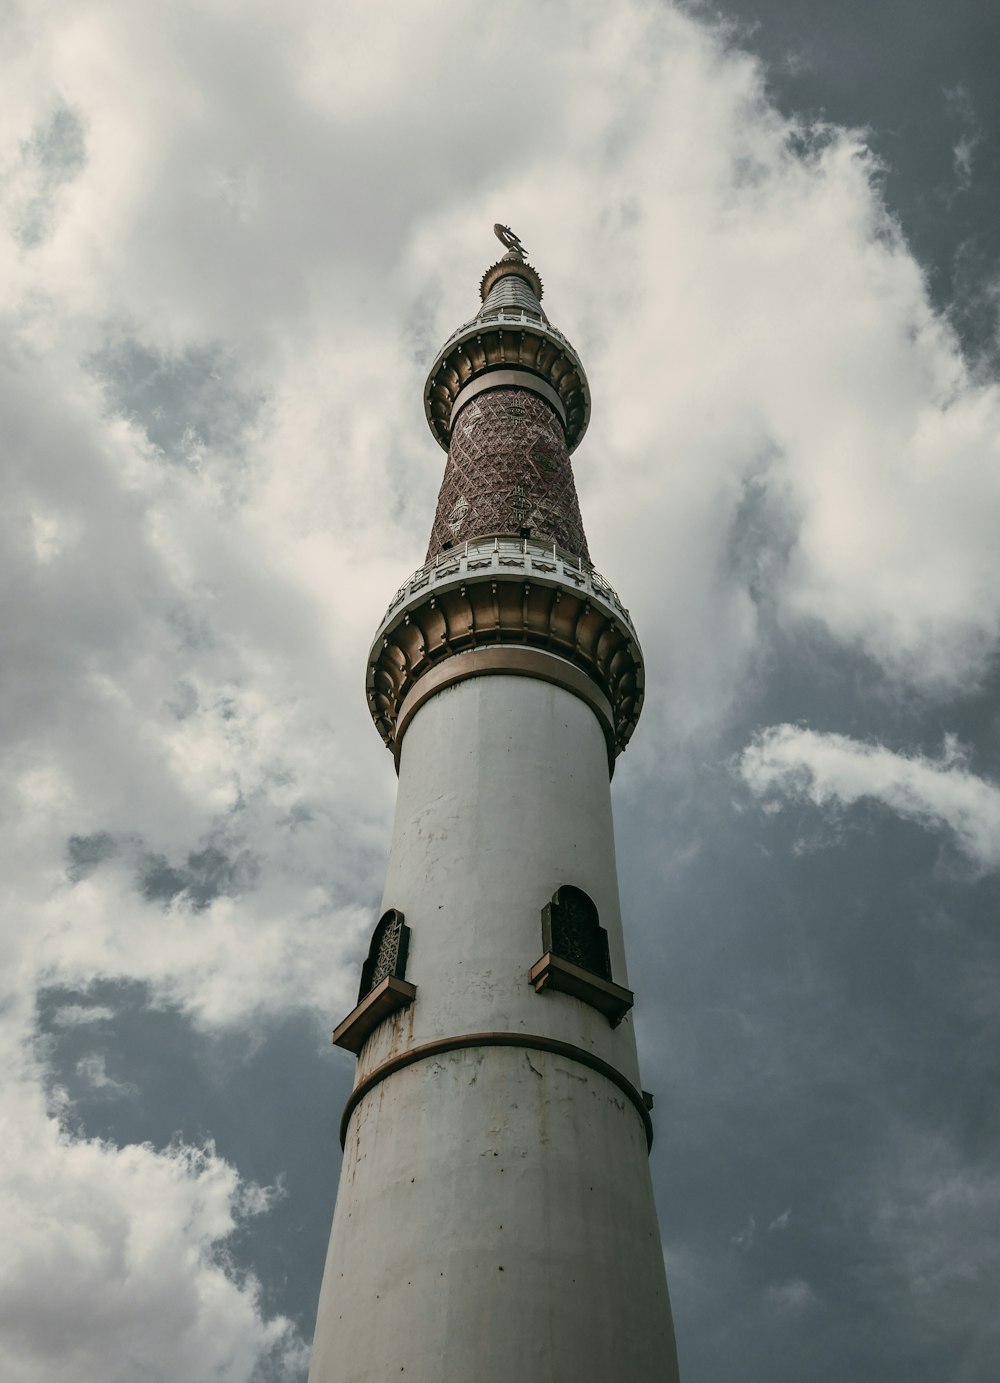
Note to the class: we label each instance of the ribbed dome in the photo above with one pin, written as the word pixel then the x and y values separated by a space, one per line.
pixel 511 294
pixel 512 266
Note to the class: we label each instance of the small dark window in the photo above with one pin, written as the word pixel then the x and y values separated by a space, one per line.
pixel 387 952
pixel 571 930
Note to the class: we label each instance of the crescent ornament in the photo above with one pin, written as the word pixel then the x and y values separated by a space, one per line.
pixel 507 237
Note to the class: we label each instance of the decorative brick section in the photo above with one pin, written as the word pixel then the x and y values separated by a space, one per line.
pixel 508 470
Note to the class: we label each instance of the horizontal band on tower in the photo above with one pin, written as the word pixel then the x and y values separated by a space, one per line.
pixel 513 661
pixel 506 379
pixel 531 1041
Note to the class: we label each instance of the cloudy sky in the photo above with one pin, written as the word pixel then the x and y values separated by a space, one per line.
pixel 233 236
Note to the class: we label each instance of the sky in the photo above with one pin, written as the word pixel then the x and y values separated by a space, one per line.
pixel 232 238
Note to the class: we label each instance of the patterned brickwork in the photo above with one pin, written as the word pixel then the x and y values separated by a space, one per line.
pixel 508 470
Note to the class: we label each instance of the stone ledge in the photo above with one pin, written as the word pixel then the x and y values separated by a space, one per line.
pixel 552 972
pixel 383 1000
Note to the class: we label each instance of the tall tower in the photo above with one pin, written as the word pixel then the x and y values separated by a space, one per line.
pixel 495 1219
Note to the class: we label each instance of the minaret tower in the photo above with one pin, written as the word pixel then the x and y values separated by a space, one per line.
pixel 495 1219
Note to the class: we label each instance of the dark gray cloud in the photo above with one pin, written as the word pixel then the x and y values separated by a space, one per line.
pixel 198 878
pixel 204 875
pixel 53 155
pixel 85 853
pixel 190 406
pixel 762 534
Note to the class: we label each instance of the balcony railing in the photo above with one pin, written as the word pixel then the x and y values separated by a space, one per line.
pixel 506 553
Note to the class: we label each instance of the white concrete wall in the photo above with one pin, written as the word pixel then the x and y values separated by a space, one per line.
pixel 495 1218
pixel 503 796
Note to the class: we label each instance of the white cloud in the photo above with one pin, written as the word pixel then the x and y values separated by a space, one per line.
pixel 114 1265
pixel 744 1239
pixel 792 1296
pixel 790 762
pixel 958 103
pixel 92 1069
pixel 780 1222
pixel 78 1015
pixel 962 160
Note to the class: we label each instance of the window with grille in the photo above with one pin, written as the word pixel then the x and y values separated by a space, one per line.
pixel 572 930
pixel 575 957
pixel 387 952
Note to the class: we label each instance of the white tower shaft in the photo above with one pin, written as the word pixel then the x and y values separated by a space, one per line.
pixel 495 1218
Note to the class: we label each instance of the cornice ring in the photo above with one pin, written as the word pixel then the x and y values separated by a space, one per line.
pixel 505 593
pixel 509 340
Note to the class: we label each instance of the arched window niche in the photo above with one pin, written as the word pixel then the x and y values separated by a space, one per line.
pixel 387 952
pixel 575 957
pixel 571 929
pixel 384 988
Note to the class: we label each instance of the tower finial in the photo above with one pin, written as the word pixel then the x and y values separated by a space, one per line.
pixel 507 237
pixel 511 331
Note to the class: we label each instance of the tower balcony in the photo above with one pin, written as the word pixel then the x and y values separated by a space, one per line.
pixel 507 338
pixel 550 612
